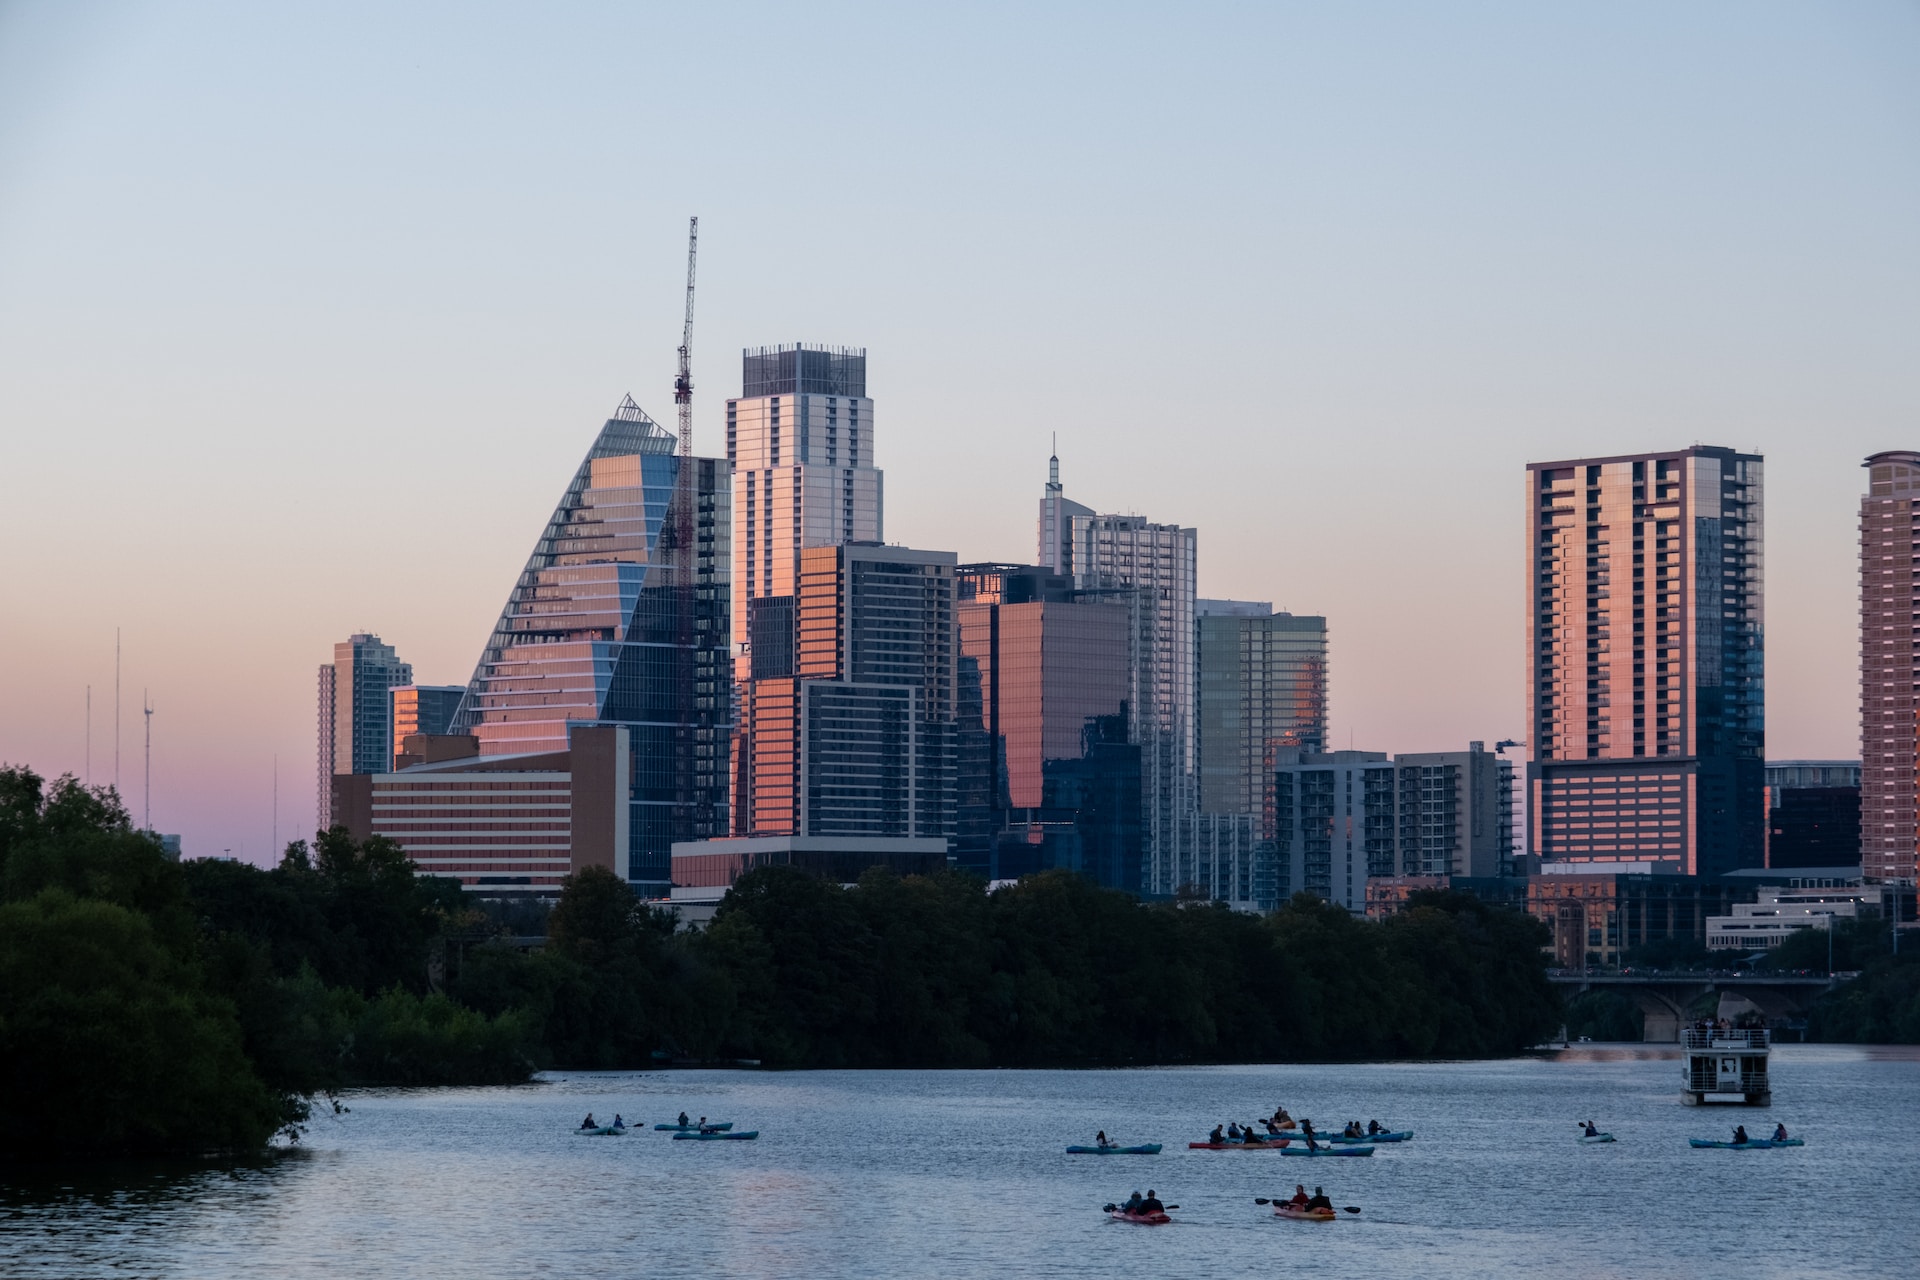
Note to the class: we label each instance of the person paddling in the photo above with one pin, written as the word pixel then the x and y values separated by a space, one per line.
pixel 618 1123
pixel 1319 1201
pixel 683 1120
pixel 1216 1138
pixel 588 1122
pixel 1592 1132
pixel 1249 1138
pixel 1233 1132
pixel 1306 1131
pixel 1151 1204
pixel 1740 1134
pixel 1780 1133
pixel 1100 1140
pixel 1133 1204
pixel 1373 1127
pixel 1299 1200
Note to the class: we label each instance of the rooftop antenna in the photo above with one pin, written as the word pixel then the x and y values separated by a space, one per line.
pixel 89 765
pixel 683 384
pixel 146 803
pixel 116 710
pixel 274 845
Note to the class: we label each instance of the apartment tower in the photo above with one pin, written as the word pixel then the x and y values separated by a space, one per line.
pixel 356 714
pixel 1263 688
pixel 1645 651
pixel 1890 666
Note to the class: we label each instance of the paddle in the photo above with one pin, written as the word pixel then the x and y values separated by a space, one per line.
pixel 1348 1208
pixel 1114 1208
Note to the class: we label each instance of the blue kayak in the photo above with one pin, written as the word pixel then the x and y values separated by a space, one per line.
pixel 722 1125
pixel 603 1131
pixel 1400 1136
pixel 1751 1144
pixel 1144 1149
pixel 748 1136
pixel 1300 1149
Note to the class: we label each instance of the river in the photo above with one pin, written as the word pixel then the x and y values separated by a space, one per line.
pixel 963 1173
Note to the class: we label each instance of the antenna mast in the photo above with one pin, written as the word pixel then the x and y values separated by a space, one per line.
pixel 146 822
pixel 683 384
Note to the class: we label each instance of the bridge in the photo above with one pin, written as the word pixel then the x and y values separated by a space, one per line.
pixel 1673 998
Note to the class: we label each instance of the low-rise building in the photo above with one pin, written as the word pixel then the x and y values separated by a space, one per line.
pixel 704 870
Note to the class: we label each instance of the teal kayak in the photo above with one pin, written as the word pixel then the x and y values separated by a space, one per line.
pixel 1591 1139
pixel 748 1136
pixel 1751 1144
pixel 1301 1149
pixel 1144 1149
pixel 1400 1136
pixel 723 1126
pixel 603 1131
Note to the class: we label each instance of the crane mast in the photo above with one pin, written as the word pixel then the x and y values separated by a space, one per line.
pixel 683 383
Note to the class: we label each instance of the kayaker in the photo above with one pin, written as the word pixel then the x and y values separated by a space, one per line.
pixel 1591 1131
pixel 588 1122
pixel 1233 1132
pixel 683 1119
pixel 1740 1133
pixel 1780 1133
pixel 1100 1139
pixel 1306 1131
pixel 1151 1204
pixel 1280 1115
pixel 1133 1204
pixel 1319 1201
pixel 1215 1137
pixel 1249 1138
pixel 618 1123
pixel 1373 1127
pixel 1273 1130
pixel 1299 1200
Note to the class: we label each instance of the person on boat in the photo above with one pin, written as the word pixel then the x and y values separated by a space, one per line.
pixel 1133 1204
pixel 1233 1132
pixel 1100 1139
pixel 1592 1132
pixel 618 1123
pixel 683 1120
pixel 1215 1137
pixel 1151 1204
pixel 1319 1201
pixel 1299 1200
pixel 1250 1138
pixel 1352 1130
pixel 1740 1133
pixel 1306 1131
pixel 1780 1133
pixel 1273 1130
pixel 588 1122
pixel 1373 1127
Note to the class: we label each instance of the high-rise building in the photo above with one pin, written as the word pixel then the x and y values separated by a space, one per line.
pixel 800 438
pixel 1453 814
pixel 1038 666
pixel 356 715
pixel 620 618
pixel 1813 813
pixel 1335 816
pixel 1645 660
pixel 1263 689
pixel 423 708
pixel 1150 568
pixel 847 715
pixel 1890 667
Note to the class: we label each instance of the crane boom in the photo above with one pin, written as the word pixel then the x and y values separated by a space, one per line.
pixel 683 383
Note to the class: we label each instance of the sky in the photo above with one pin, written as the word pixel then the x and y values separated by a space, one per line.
pixel 309 311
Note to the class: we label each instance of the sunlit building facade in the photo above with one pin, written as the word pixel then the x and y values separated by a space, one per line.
pixel 1263 689
pixel 423 708
pixel 1890 667
pixel 356 713
pixel 1645 651
pixel 620 618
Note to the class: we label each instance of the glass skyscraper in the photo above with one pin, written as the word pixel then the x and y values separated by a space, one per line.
pixel 1263 689
pixel 356 713
pixel 620 617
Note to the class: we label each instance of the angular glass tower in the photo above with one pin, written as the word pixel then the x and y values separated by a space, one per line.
pixel 621 618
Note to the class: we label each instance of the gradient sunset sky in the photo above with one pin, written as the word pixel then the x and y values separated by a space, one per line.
pixel 308 312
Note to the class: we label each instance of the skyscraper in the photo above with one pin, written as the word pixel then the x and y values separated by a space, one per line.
pixel 356 718
pixel 423 708
pixel 1890 667
pixel 1645 660
pixel 620 618
pixel 1151 568
pixel 847 715
pixel 1263 688
pixel 800 438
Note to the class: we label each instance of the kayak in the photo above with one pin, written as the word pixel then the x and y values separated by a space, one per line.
pixel 604 1131
pixel 1273 1145
pixel 1590 1139
pixel 1144 1219
pixel 1144 1149
pixel 693 1128
pixel 1788 1142
pixel 748 1136
pixel 1304 1215
pixel 1401 1136
pixel 1751 1144
pixel 1328 1151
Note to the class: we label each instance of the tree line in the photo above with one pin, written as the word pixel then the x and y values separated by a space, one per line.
pixel 151 1006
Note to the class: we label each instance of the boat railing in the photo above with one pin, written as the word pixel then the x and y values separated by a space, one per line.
pixel 1712 1038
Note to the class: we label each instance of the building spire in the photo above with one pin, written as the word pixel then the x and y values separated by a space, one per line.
pixel 1053 466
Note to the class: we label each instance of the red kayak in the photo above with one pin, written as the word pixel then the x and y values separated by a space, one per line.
pixel 1304 1214
pixel 1270 1144
pixel 1144 1219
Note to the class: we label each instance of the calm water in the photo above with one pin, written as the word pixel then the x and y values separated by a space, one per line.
pixel 963 1174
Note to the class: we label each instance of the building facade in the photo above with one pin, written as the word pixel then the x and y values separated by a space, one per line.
pixel 355 714
pixel 423 708
pixel 1890 667
pixel 620 618
pixel 1645 652
pixel 1813 813
pixel 1263 689
pixel 800 438
pixel 847 715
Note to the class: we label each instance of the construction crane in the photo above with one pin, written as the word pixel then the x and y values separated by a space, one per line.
pixel 683 383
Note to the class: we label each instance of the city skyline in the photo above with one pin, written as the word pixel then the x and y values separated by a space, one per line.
pixel 1374 257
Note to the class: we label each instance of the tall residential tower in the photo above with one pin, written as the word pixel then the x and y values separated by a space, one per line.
pixel 1645 648
pixel 1890 666
pixel 356 713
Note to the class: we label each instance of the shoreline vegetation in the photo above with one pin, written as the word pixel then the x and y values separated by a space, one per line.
pixel 151 1007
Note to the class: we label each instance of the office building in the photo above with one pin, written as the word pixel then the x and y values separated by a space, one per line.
pixel 1813 813
pixel 620 618
pixel 423 708
pixel 1779 912
pixel 1890 667
pixel 847 715
pixel 800 438
pixel 704 870
pixel 1645 660
pixel 504 825
pixel 1150 568
pixel 1263 689
pixel 356 715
